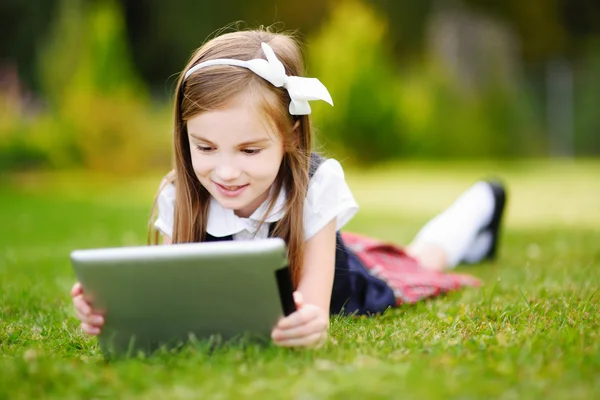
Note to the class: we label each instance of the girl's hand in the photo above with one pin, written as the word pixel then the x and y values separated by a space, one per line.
pixel 306 327
pixel 91 322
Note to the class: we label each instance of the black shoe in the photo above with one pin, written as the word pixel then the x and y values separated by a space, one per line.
pixel 499 193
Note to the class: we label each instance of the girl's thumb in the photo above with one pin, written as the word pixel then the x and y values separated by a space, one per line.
pixel 299 300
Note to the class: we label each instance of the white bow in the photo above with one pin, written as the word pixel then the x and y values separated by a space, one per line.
pixel 301 90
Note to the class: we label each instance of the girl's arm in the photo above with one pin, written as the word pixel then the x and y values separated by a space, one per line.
pixel 166 239
pixel 316 281
pixel 308 325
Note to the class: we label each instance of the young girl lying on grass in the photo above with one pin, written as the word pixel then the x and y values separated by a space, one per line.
pixel 244 170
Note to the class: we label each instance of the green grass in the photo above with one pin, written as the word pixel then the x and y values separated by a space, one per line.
pixel 532 331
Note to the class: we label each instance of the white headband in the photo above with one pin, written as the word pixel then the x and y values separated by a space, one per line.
pixel 300 89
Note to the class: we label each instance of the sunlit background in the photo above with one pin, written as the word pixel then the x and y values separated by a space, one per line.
pixel 88 84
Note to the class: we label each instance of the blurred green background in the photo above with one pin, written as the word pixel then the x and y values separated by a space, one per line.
pixel 88 84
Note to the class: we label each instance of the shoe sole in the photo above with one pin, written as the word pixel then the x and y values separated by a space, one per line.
pixel 499 193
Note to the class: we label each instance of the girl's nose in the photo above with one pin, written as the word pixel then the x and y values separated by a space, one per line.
pixel 227 173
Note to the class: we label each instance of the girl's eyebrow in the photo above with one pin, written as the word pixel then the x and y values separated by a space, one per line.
pixel 255 142
pixel 252 142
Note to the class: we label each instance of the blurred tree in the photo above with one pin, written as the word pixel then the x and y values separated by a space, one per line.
pixel 94 62
pixel 351 55
pixel 100 116
pixel 587 100
pixel 60 51
pixel 163 35
pixel 547 28
pixel 23 22
pixel 407 26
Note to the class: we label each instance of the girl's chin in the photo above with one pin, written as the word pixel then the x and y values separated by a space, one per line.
pixel 241 209
pixel 240 205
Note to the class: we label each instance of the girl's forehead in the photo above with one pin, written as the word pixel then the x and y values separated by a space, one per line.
pixel 234 122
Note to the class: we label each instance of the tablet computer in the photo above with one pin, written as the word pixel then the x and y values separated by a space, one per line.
pixel 153 296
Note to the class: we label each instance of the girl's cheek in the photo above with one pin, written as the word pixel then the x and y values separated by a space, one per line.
pixel 266 167
pixel 200 165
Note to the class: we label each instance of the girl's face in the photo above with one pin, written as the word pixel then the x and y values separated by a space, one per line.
pixel 236 155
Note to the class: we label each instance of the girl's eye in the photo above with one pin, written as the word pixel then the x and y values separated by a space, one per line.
pixel 204 149
pixel 251 152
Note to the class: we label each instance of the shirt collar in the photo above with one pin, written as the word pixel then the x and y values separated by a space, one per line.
pixel 223 221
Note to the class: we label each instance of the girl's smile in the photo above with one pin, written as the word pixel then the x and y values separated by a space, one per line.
pixel 230 191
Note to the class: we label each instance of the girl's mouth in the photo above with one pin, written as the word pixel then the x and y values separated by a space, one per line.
pixel 230 191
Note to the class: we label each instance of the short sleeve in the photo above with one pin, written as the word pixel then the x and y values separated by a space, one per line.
pixel 166 210
pixel 328 197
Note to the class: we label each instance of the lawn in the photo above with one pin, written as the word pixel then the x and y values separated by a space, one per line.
pixel 532 330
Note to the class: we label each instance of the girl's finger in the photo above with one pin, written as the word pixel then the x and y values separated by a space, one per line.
pixel 81 317
pixel 301 317
pixel 298 299
pixel 317 325
pixel 76 290
pixel 81 305
pixel 313 340
pixel 96 320
pixel 89 329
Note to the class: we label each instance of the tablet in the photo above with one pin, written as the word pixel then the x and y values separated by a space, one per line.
pixel 154 296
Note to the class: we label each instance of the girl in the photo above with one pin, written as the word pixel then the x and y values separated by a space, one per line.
pixel 244 170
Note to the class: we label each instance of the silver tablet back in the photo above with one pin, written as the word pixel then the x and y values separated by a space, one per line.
pixel 162 295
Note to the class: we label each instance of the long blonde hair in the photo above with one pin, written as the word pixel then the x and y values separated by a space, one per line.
pixel 211 88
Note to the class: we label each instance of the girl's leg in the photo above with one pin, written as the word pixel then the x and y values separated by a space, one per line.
pixel 429 255
pixel 467 231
